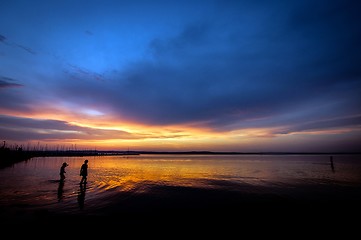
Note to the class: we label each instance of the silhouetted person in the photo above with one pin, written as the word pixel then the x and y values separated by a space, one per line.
pixel 62 171
pixel 81 195
pixel 84 171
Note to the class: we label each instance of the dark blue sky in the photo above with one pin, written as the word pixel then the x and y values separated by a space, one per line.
pixel 192 75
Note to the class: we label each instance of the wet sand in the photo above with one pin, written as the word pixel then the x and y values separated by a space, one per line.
pixel 187 206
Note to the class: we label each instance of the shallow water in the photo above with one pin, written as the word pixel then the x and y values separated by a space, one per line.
pixel 116 181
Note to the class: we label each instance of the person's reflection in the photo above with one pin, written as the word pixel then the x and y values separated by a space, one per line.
pixel 81 195
pixel 60 190
pixel 332 166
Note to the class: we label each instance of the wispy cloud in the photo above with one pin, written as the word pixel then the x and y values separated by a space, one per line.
pixel 6 82
pixel 4 40
pixel 24 129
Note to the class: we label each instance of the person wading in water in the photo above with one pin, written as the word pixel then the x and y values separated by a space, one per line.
pixel 84 172
pixel 62 171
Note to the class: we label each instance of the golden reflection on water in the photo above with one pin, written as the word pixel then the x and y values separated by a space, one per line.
pixel 127 174
pixel 138 173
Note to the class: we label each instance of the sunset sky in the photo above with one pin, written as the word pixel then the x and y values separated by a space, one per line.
pixel 181 75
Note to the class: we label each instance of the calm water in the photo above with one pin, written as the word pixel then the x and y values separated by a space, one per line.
pixel 34 185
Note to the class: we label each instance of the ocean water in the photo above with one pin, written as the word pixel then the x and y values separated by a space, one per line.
pixel 136 183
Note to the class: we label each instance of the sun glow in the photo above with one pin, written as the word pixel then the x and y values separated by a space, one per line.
pixel 92 129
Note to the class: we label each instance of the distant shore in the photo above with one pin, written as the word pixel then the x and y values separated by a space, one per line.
pixel 10 157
